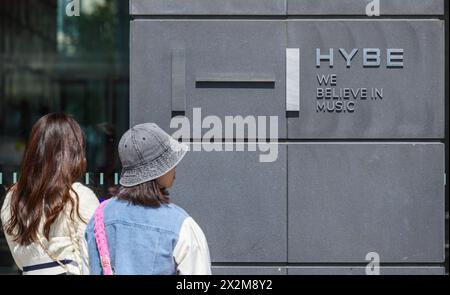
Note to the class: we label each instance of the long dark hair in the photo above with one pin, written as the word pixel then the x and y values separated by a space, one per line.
pixel 53 160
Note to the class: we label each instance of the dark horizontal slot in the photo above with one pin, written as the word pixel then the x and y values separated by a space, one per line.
pixel 236 84
pixel 178 113
pixel 292 114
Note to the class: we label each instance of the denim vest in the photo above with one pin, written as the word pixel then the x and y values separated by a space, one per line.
pixel 140 239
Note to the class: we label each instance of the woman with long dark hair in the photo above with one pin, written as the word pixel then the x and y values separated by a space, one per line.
pixel 44 214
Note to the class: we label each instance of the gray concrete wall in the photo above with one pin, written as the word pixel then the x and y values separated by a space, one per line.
pixel 369 177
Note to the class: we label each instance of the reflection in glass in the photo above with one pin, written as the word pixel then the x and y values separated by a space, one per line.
pixel 51 62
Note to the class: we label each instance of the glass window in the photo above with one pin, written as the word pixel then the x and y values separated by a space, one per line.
pixel 52 62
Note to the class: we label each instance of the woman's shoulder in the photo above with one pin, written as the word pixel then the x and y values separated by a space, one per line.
pixel 5 208
pixel 80 188
pixel 85 194
pixel 178 209
pixel 166 215
pixel 164 210
pixel 87 200
pixel 8 196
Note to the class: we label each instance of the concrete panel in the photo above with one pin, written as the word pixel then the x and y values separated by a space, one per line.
pixel 245 270
pixel 358 7
pixel 359 270
pixel 231 68
pixel 412 101
pixel 239 202
pixel 208 7
pixel 346 200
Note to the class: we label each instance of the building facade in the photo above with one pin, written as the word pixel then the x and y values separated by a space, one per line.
pixel 359 102
pixel 341 166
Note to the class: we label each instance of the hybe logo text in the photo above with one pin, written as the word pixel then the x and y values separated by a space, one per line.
pixel 72 8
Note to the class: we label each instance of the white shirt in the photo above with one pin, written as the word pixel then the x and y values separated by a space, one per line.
pixel 60 244
pixel 191 253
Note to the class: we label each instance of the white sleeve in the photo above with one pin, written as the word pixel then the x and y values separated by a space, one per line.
pixel 191 253
pixel 5 216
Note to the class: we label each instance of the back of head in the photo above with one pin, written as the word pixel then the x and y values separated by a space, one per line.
pixel 147 154
pixel 53 160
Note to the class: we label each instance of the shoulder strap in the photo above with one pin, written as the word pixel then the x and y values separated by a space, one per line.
pixel 100 238
pixel 53 257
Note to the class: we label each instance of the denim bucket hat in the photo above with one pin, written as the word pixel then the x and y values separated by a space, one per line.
pixel 146 153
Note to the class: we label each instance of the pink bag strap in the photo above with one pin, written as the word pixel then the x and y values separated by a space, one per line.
pixel 100 238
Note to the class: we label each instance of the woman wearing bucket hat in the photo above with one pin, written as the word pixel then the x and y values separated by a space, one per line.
pixel 139 231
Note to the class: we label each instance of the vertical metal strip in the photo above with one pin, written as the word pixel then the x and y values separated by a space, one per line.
pixel 292 79
pixel 178 80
